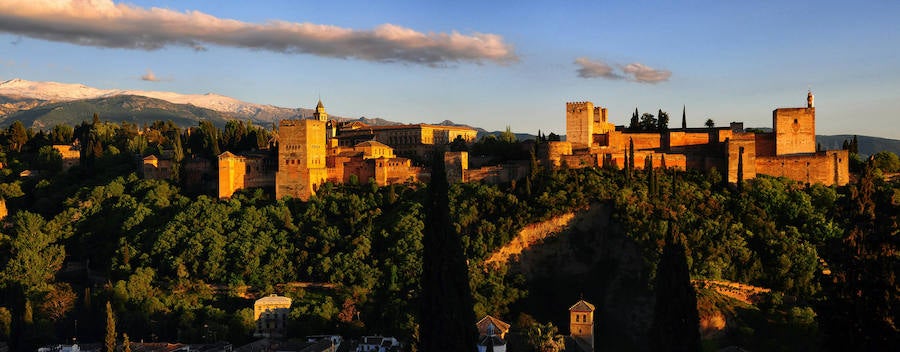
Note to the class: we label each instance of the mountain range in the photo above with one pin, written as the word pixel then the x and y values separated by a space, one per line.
pixel 44 104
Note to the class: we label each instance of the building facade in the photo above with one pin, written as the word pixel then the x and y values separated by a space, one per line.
pixel 271 314
pixel 581 324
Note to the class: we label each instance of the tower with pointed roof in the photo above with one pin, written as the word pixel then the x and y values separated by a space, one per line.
pixel 320 113
pixel 581 323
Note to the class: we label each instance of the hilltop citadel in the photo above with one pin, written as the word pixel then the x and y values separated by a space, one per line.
pixel 313 151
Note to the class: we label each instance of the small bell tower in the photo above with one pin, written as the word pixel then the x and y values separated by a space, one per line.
pixel 320 113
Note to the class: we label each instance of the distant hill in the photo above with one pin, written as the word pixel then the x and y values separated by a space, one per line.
pixel 25 93
pixel 867 145
pixel 131 108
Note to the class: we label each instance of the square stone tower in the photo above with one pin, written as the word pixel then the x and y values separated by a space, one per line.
pixel 581 322
pixel 795 129
pixel 580 124
pixel 301 158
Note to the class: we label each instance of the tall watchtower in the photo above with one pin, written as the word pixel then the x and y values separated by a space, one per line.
pixel 301 158
pixel 795 129
pixel 581 322
pixel 580 124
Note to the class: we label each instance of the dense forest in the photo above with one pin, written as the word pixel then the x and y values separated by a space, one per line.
pixel 184 266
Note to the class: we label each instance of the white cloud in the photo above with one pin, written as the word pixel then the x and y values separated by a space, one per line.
pixel 645 74
pixel 150 76
pixel 592 68
pixel 635 71
pixel 103 23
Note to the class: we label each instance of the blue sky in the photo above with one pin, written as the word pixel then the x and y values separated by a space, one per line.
pixel 725 60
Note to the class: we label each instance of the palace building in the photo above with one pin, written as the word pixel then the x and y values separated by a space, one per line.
pixel 788 151
pixel 313 151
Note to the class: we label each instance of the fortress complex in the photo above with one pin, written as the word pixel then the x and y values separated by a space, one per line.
pixel 788 151
pixel 313 151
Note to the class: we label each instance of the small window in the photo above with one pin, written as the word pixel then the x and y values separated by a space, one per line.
pixel 795 121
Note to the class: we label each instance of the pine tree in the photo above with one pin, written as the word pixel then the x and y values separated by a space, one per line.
pixel 676 322
pixel 110 329
pixel 18 136
pixel 447 316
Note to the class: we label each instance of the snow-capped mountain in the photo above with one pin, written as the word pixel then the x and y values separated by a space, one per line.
pixel 19 89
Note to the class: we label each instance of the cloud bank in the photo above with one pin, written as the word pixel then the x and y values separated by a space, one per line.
pixel 103 23
pixel 635 71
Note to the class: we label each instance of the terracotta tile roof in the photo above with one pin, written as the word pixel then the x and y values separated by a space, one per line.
pixel 582 306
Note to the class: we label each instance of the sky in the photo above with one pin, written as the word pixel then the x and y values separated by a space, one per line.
pixel 488 64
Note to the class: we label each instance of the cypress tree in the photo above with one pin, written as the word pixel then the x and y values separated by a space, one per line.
pixel 635 122
pixel 631 154
pixel 126 343
pixel 740 170
pixel 447 320
pixel 676 322
pixel 625 167
pixel 110 329
pixel 683 116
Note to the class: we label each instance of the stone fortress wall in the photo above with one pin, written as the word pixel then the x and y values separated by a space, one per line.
pixel 789 151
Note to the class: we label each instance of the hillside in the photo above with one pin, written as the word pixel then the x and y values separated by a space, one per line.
pixel 867 145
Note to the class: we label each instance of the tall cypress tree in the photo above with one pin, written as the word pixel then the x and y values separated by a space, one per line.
pixel 740 170
pixel 635 122
pixel 110 329
pixel 676 322
pixel 447 320
pixel 625 166
pixel 631 154
pixel 684 116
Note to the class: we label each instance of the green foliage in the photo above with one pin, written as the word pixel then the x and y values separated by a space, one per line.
pixel 887 161
pixel 34 255
pixel 18 136
pixel 176 262
pixel 5 323
pixel 537 336
pixel 863 291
